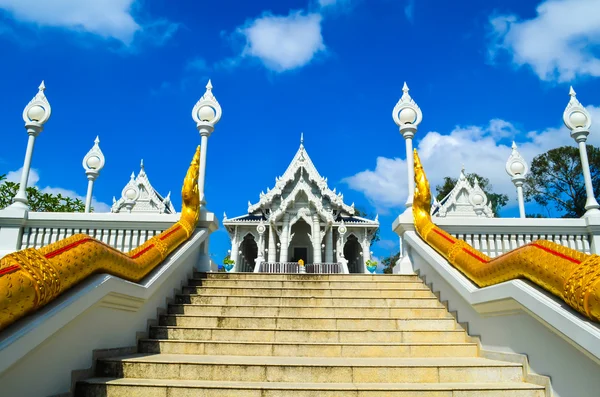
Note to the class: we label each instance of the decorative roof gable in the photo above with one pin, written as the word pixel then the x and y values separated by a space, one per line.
pixel 464 200
pixel 139 196
pixel 301 163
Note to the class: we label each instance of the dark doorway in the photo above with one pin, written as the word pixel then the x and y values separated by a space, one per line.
pixel 301 253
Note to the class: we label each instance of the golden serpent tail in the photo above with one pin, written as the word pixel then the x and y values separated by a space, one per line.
pixel 31 278
pixel 571 275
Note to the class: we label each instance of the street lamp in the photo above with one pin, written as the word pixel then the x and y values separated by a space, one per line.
pixel 36 114
pixel 93 162
pixel 578 120
pixel 206 113
pixel 130 193
pixel 407 115
pixel 516 167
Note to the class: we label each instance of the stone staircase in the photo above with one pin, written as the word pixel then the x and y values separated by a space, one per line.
pixel 261 335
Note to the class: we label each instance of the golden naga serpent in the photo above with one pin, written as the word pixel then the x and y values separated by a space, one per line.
pixel 31 278
pixel 571 275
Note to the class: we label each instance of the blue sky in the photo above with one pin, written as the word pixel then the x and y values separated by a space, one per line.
pixel 484 74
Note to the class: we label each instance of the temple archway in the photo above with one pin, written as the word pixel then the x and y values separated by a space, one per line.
pixel 301 244
pixel 352 251
pixel 248 254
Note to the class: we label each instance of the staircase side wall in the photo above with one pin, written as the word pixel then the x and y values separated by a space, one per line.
pixel 506 322
pixel 38 355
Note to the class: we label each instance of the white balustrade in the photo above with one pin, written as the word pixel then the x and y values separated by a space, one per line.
pixel 495 236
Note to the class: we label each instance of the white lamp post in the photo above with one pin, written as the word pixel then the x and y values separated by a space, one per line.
pixel 131 192
pixel 206 113
pixel 407 116
pixel 578 120
pixel 516 167
pixel 36 114
pixel 93 162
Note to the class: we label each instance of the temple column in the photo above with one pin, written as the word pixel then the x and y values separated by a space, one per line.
pixel 366 247
pixel 316 237
pixel 329 245
pixel 283 255
pixel 272 257
pixel 235 250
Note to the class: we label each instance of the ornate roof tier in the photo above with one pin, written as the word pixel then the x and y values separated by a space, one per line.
pixel 139 196
pixel 464 200
pixel 301 186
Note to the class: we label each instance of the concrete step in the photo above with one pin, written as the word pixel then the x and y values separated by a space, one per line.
pixel 306 301
pixel 402 324
pixel 306 335
pixel 421 292
pixel 309 369
pixel 110 387
pixel 296 349
pixel 296 276
pixel 267 283
pixel 303 311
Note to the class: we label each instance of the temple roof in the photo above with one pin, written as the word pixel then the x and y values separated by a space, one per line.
pixel 139 196
pixel 464 200
pixel 301 184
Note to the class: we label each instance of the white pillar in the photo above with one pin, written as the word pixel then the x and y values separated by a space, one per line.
pixel 36 114
pixel 329 245
pixel 204 133
pixel 578 120
pixel 591 205
pixel 519 185
pixel 283 256
pixel 366 247
pixel 407 116
pixel 272 247
pixel 20 199
pixel 316 237
pixel 206 113
pixel 235 250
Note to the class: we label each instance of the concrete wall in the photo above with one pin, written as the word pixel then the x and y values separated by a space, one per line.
pixel 516 317
pixel 38 354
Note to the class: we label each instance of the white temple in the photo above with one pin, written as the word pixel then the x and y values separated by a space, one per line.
pixel 464 201
pixel 300 218
pixel 138 196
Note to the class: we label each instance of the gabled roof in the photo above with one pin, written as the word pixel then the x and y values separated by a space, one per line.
pixel 147 199
pixel 301 162
pixel 464 200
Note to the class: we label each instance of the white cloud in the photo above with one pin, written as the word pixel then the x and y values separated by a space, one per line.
pixel 15 176
pixel 105 18
pixel 476 147
pixel 283 43
pixel 558 44
pixel 33 179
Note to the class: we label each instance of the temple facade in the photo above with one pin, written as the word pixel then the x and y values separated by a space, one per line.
pixel 300 218
pixel 464 201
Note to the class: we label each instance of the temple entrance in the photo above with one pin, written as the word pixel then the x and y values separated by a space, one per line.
pixel 352 253
pixel 248 254
pixel 301 244
pixel 300 253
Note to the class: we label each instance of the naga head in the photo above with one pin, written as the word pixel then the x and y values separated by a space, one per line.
pixel 422 197
pixel 190 208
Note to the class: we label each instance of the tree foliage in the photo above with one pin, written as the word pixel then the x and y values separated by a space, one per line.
pixel 39 201
pixel 556 179
pixel 496 199
pixel 390 262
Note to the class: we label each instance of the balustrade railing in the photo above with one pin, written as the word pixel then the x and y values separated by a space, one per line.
pixel 496 236
pixel 279 267
pixel 323 268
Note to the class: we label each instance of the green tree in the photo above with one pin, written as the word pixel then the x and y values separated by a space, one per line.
pixel 38 201
pixel 556 179
pixel 496 199
pixel 390 262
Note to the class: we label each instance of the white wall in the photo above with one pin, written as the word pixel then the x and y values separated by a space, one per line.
pixel 516 317
pixel 38 353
